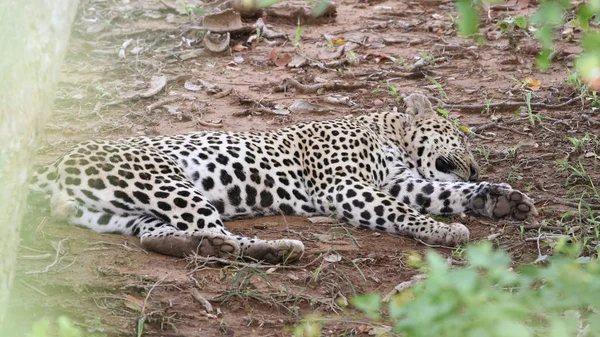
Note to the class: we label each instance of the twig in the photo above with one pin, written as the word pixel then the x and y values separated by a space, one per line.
pixel 403 286
pixel 541 226
pixel 194 258
pixel 330 85
pixel 594 207
pixel 496 125
pixel 162 102
pixel 36 257
pixel 434 246
pixel 150 291
pixel 548 237
pixel 124 245
pixel 505 104
pixel 31 249
pixel 143 310
pixel 196 295
pixel 67 266
pixel 213 125
pixel 33 288
pixel 56 259
pixel 135 96
pixel 223 93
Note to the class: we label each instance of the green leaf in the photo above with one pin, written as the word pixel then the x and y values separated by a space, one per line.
pixel 299 31
pixel 584 14
pixel 543 60
pixel 591 42
pixel 40 328
pixel 509 328
pixel 468 22
pixel 550 13
pixel 436 263
pixel 369 304
pixel 520 21
pixel 560 327
pixel 320 8
pixel 140 327
pixel 67 328
pixel 544 35
pixel 265 3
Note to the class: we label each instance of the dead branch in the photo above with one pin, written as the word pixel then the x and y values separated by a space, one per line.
pixel 57 258
pixel 505 104
pixel 594 207
pixel 434 246
pixel 33 288
pixel 162 102
pixel 194 259
pixel 209 124
pixel 549 237
pixel 304 88
pixel 144 94
pixel 196 295
pixel 498 126
pixel 36 257
pixel 403 286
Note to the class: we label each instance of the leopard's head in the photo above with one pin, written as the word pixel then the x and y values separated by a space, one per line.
pixel 435 143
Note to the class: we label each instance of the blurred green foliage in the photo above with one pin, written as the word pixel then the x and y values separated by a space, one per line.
pixel 488 298
pixel 63 327
pixel 549 16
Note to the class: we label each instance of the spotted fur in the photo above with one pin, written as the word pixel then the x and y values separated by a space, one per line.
pixel 381 171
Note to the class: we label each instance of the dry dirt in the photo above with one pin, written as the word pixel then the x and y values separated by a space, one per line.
pixel 107 283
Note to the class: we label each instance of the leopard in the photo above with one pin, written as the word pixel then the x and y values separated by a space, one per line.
pixel 389 171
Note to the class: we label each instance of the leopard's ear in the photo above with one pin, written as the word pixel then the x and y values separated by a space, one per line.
pixel 419 105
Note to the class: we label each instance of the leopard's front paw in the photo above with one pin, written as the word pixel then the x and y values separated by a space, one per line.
pixel 502 201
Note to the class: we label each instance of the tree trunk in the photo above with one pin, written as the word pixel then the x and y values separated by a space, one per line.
pixel 33 40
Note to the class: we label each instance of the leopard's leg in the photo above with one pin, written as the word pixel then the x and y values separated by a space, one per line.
pixel 156 235
pixel 484 198
pixel 363 205
pixel 162 237
pixel 189 210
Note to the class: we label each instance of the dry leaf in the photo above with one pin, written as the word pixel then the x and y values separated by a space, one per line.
pixel 273 54
pixel 532 82
pixel 339 40
pixel 364 328
pixel 464 129
pixel 134 303
pixel 333 258
pixel 279 60
pixel 283 60
pixel 238 47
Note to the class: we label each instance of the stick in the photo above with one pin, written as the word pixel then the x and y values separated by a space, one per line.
pixel 504 104
pixel 56 259
pixel 204 259
pixel 403 286
pixel 594 207
pixel 196 295
pixel 315 87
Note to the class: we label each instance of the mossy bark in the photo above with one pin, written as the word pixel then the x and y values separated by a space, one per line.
pixel 33 41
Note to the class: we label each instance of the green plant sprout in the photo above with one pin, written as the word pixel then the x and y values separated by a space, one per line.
pixel 298 35
pixel 442 93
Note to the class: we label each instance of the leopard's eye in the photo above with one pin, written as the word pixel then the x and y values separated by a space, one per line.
pixel 444 165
